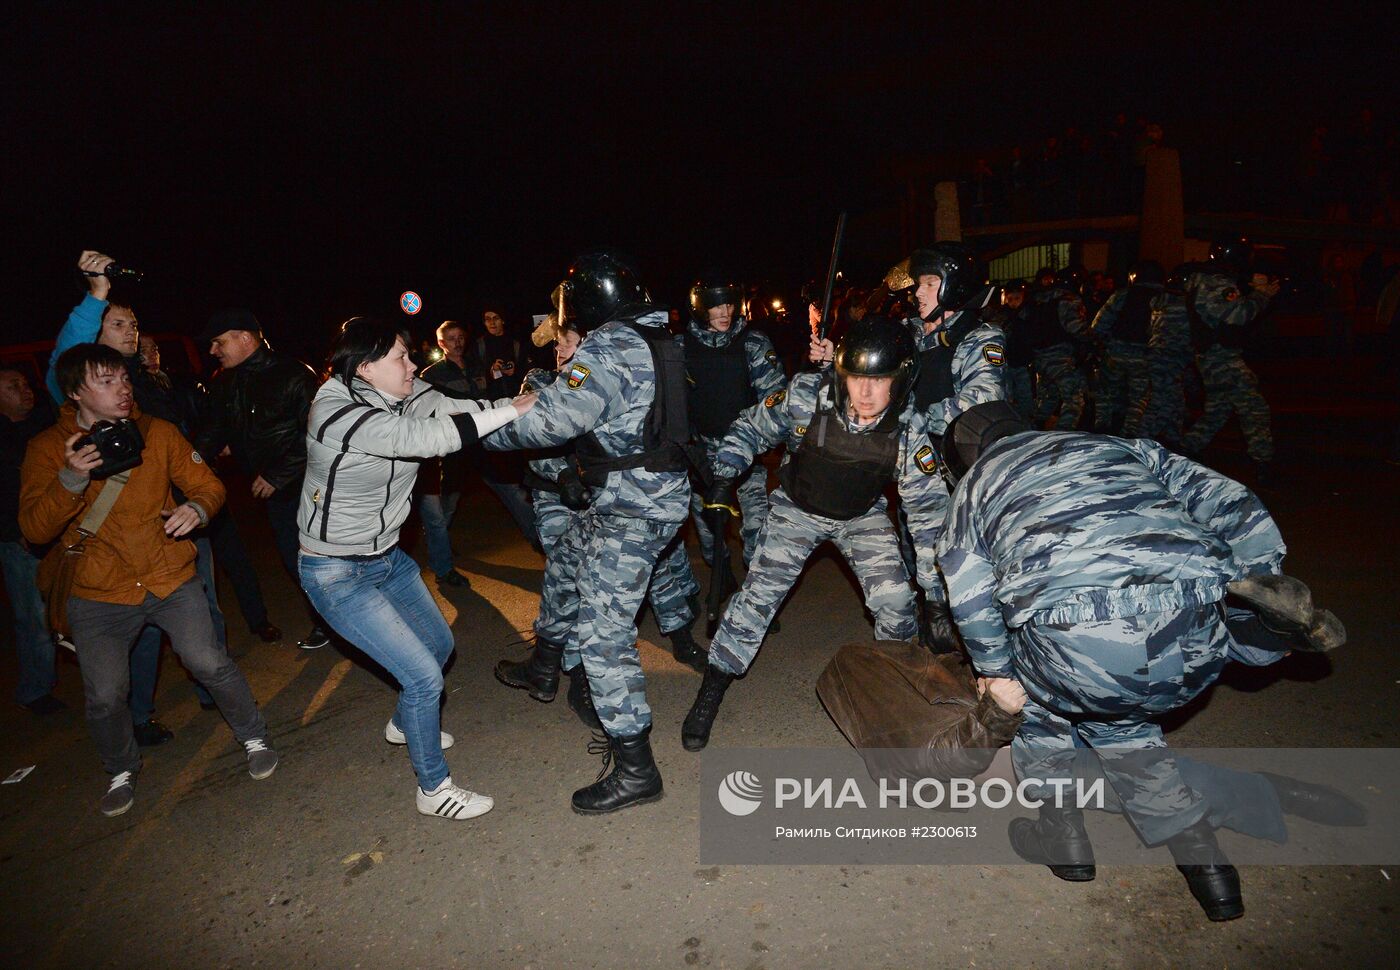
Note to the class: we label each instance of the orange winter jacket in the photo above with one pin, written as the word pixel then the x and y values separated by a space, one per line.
pixel 131 555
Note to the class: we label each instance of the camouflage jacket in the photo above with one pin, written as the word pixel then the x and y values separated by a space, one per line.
pixel 1068 527
pixel 1073 315
pixel 607 389
pixel 1170 328
pixel 979 370
pixel 537 379
pixel 1219 301
pixel 783 417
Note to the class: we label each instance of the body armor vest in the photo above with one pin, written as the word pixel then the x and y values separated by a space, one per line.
pixel 936 364
pixel 1134 322
pixel 837 473
pixel 720 384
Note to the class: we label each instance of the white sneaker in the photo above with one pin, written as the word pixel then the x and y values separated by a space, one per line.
pixel 121 793
pixel 262 760
pixel 452 802
pixel 394 736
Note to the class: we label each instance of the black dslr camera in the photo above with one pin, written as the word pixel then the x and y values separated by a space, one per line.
pixel 118 442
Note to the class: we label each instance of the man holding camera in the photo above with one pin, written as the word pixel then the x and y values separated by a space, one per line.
pixel 132 570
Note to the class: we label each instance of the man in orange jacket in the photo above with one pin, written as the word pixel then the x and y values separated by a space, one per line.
pixel 134 570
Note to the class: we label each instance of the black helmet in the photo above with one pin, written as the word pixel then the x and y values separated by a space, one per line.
pixel 715 288
pixel 1235 254
pixel 1147 272
pixel 954 265
pixel 878 347
pixel 599 286
pixel 973 432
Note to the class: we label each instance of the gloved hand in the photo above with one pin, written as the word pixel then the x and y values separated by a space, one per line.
pixel 572 492
pixel 720 495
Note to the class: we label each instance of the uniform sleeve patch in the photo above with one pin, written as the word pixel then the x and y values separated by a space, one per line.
pixel 801 430
pixel 926 460
pixel 994 354
pixel 774 399
pixel 578 376
pixel 771 356
pixel 1231 295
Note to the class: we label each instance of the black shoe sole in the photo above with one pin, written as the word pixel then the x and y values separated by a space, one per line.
pixel 608 811
pixel 1074 873
pixel 1224 913
pixel 544 697
pixel 694 744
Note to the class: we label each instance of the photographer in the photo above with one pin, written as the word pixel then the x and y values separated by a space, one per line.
pixel 131 571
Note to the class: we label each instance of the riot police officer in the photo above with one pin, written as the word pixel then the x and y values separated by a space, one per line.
pixel 1222 303
pixel 623 398
pixel 1123 324
pixel 730 367
pixel 1054 318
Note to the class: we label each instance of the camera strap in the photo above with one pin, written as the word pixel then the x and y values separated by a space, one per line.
pixel 105 500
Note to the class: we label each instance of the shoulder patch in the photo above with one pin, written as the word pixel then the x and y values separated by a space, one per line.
pixel 578 376
pixel 1231 295
pixel 801 430
pixel 194 457
pixel 774 399
pixel 994 354
pixel 771 356
pixel 926 460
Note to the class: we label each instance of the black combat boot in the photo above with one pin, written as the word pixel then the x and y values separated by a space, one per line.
pixel 1057 840
pixel 938 632
pixel 1316 803
pixel 537 673
pixel 695 732
pixel 687 651
pixel 1213 881
pixel 581 699
pixel 634 779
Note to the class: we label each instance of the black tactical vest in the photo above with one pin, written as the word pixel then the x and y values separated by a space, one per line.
pixel 667 427
pixel 935 381
pixel 1041 320
pixel 720 383
pixel 1134 323
pixel 836 473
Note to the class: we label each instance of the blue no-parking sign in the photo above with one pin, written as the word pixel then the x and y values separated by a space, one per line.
pixel 410 301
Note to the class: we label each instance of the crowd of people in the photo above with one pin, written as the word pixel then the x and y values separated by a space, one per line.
pixel 913 440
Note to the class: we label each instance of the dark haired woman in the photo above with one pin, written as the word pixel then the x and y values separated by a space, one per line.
pixel 369 423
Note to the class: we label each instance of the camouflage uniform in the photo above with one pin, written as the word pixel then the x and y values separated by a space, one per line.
pixel 608 389
pixel 766 377
pixel 978 376
pixel 1091 569
pixel 1019 382
pixel 1169 353
pixel 867 541
pixel 1229 382
pixel 672 589
pixel 1058 381
pixel 1124 382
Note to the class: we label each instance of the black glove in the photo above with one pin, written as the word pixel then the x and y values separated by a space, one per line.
pixel 572 492
pixel 720 495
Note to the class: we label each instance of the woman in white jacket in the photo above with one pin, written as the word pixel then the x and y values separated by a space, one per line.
pixel 369 423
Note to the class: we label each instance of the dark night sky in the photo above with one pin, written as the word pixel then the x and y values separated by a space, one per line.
pixel 312 162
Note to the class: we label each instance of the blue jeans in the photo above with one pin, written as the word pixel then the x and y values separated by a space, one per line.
pixel 145 656
pixel 33 644
pixel 381 606
pixel 517 502
pixel 436 511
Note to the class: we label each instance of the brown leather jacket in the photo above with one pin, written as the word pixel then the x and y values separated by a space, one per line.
pixel 912 714
pixel 131 555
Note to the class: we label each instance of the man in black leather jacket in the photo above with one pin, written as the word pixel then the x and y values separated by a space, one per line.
pixel 258 403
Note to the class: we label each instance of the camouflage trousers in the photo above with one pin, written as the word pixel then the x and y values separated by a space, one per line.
pixel 1164 409
pixel 1097 685
pixel 753 504
pixel 789 535
pixel 1123 389
pixel 1020 389
pixel 1231 386
pixel 672 590
pixel 1058 384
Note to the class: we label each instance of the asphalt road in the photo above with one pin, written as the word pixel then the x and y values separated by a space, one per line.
pixel 328 864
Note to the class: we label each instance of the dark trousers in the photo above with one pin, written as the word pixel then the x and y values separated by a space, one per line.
pixel 104 634
pixel 282 515
pixel 231 556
